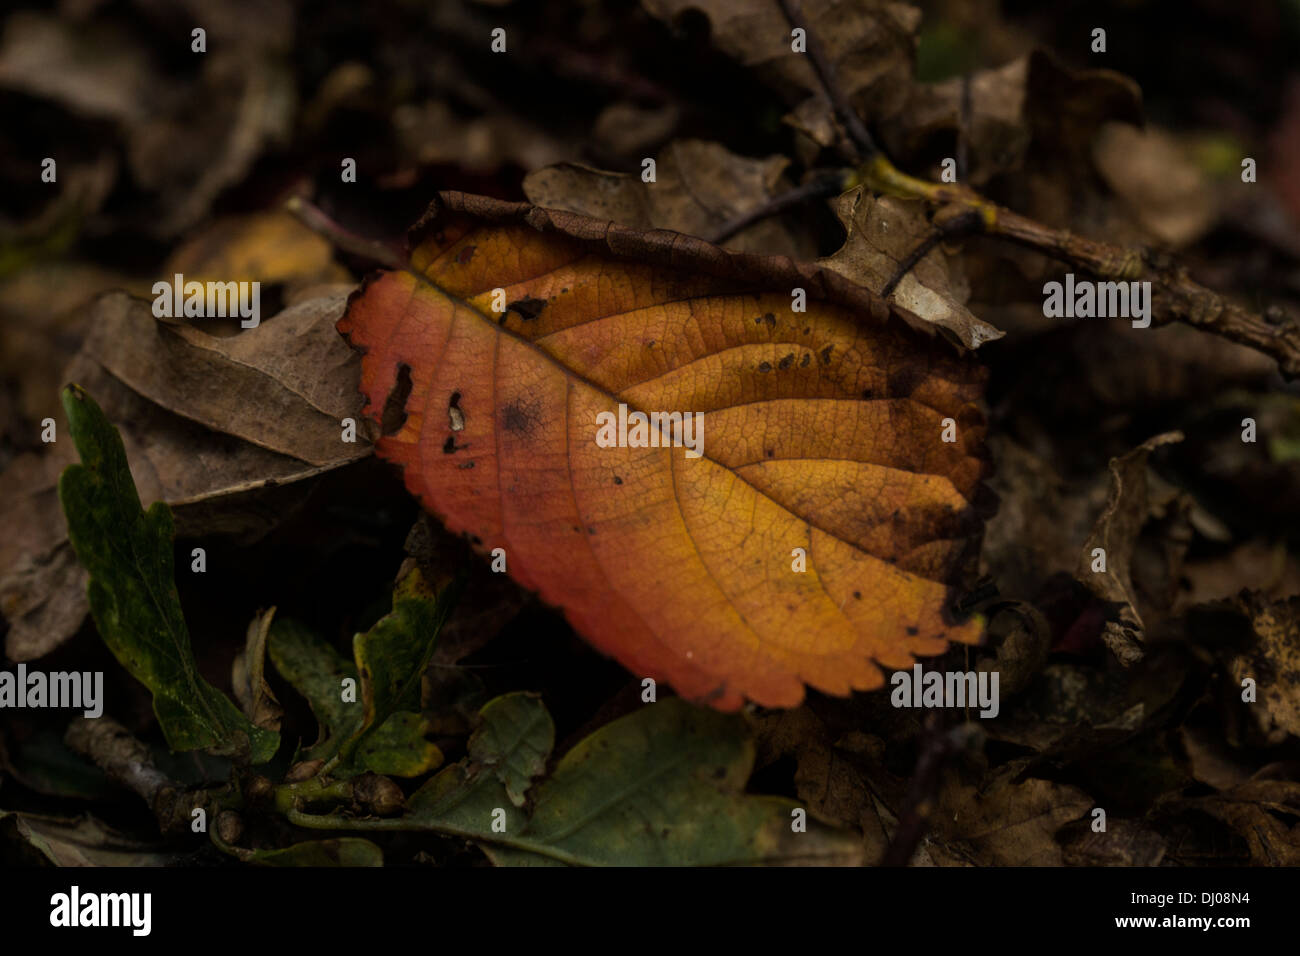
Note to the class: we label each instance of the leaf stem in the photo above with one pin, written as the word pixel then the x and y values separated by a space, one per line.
pixel 335 822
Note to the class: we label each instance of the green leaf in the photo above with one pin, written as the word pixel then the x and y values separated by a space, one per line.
pixel 316 671
pixel 507 750
pixel 514 739
pixel 662 786
pixel 384 733
pixel 392 655
pixel 132 591
pixel 398 747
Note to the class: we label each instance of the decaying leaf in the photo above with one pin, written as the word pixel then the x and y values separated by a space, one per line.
pixel 1115 533
pixel 882 231
pixel 246 677
pixel 283 385
pixel 870 44
pixel 822 431
pixel 1158 179
pixel 1123 843
pixel 999 132
pixel 662 787
pixel 1273 662
pixel 272 248
pixel 828 779
pixel 1264 813
pixel 699 187
pixel 1007 821
pixel 128 553
pixel 86 841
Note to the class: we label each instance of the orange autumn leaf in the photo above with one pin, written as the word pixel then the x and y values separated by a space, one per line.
pixel 821 431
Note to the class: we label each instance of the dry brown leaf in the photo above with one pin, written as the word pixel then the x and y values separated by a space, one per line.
pixel 1116 533
pixel 999 133
pixel 826 780
pixel 870 44
pixel 882 231
pixel 1158 179
pixel 432 133
pixel 285 385
pixel 247 679
pixel 269 247
pixel 699 187
pixel 1123 843
pixel 1007 822
pixel 1265 813
pixel 1274 664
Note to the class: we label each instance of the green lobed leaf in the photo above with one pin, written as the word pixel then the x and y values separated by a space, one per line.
pixel 661 786
pixel 132 591
pixel 317 671
pixel 392 655
pixel 398 747
pixel 384 731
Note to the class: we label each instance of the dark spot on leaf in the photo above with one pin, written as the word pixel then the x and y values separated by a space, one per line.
pixel 449 445
pixel 650 344
pixel 522 417
pixel 786 362
pixel 466 465
pixel 807 357
pixel 826 354
pixel 807 329
pixel 528 309
pixel 867 393
pixel 618 480
pixel 913 630
pixel 771 453
pixel 858 595
pixel 769 318
pixel 465 255
pixel 904 381
pixel 765 366
pixel 394 415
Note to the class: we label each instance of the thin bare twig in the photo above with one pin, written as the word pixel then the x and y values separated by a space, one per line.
pixel 844 111
pixel 822 186
pixel 939 746
pixel 317 221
